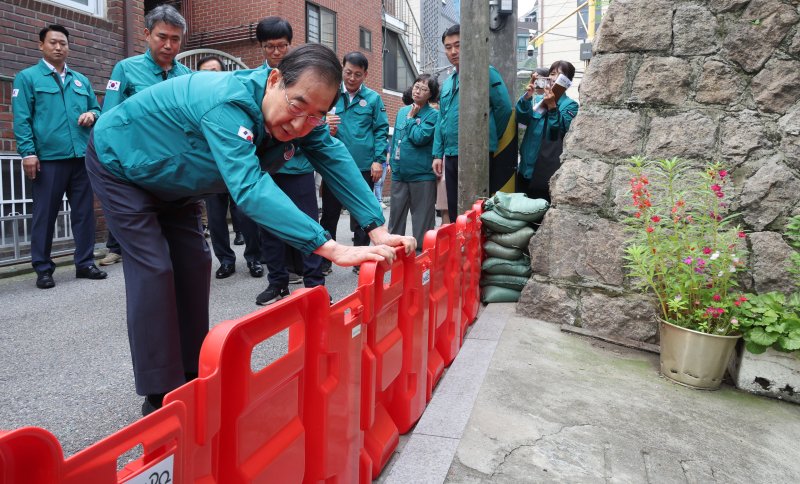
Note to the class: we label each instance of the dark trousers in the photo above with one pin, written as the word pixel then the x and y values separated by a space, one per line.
pixel 451 184
pixel 532 188
pixel 56 178
pixel 217 211
pixel 301 190
pixel 167 278
pixel 112 244
pixel 332 208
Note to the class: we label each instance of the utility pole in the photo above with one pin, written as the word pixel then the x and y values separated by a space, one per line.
pixel 473 120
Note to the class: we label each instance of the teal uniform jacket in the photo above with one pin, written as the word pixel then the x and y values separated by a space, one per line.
pixel 414 138
pixel 135 74
pixel 364 127
pixel 46 113
pixel 556 120
pixel 445 141
pixel 197 134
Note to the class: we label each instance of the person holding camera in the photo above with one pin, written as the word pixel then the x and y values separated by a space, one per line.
pixel 543 141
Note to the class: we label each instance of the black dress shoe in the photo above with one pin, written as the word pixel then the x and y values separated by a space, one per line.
pixel 256 270
pixel 239 239
pixel 152 403
pixel 90 272
pixel 45 280
pixel 225 270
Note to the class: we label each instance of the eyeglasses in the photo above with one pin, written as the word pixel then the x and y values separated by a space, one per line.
pixel 274 47
pixel 353 74
pixel 298 112
pixel 420 88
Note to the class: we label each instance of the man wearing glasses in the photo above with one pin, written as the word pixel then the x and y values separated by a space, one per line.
pixel 296 179
pixel 232 131
pixel 359 121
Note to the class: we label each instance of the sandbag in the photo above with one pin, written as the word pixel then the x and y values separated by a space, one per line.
pixel 501 280
pixel 493 249
pixel 500 224
pixel 517 206
pixel 514 240
pixel 494 294
pixel 495 265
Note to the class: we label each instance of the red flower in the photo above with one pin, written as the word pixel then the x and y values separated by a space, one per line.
pixel 716 188
pixel 637 214
pixel 706 250
pixel 716 297
pixel 723 173
pixel 649 229
pixel 655 219
pixel 742 235
pixel 737 303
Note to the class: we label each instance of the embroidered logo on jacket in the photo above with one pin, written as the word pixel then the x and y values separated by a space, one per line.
pixel 112 85
pixel 245 134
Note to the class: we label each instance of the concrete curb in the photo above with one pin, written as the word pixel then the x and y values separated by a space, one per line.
pixel 431 447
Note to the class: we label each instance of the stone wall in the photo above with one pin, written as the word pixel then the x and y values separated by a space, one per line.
pixel 702 80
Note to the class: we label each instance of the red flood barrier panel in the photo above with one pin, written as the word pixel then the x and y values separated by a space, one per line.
pixel 332 410
pixel 32 455
pixel 262 436
pixel 469 237
pixel 445 296
pixel 407 397
pixel 382 358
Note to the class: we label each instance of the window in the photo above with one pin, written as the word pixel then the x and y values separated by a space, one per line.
pixel 365 38
pixel 583 19
pixel 398 72
pixel 94 7
pixel 320 26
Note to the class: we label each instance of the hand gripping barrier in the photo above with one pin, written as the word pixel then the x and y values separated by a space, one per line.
pixel 408 397
pixel 469 237
pixel 382 358
pixel 445 299
pixel 32 456
pixel 332 411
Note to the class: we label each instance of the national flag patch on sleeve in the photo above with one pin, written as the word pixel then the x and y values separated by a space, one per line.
pixel 14 92
pixel 245 134
pixel 112 85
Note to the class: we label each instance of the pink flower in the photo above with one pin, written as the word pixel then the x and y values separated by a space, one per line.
pixel 719 194
pixel 706 250
pixel 723 173
pixel 742 235
pixel 716 188
pixel 716 297
pixel 687 261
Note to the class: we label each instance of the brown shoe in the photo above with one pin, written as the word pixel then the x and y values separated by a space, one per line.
pixel 110 258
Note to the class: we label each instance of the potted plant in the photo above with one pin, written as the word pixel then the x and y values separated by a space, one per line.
pixel 684 249
pixel 769 363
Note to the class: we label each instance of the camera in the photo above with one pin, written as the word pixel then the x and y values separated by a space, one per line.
pixel 542 82
pixel 530 50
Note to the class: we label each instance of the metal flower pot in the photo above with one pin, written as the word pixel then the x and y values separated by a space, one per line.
pixel 694 359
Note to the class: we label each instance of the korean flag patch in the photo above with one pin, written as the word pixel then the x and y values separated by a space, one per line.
pixel 15 93
pixel 80 84
pixel 245 134
pixel 112 85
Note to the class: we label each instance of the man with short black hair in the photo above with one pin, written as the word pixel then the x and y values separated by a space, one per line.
pixel 164 31
pixel 54 111
pixel 359 120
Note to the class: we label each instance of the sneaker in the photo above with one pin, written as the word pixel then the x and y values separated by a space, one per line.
pixel 110 258
pixel 295 278
pixel 384 206
pixel 238 239
pixel 271 294
pixel 326 268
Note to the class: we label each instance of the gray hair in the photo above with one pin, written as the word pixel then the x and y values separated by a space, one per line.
pixel 167 14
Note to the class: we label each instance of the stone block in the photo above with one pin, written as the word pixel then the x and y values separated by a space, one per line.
pixel 769 193
pixel 606 132
pixel 694 31
pixel 621 191
pixel 628 26
pixel 776 89
pixel 632 317
pixel 770 263
pixel 794 47
pixel 662 81
pixel 578 247
pixel 547 302
pixel 752 40
pixel 720 6
pixel 773 373
pixel 687 135
pixel 789 126
pixel 741 135
pixel 604 80
pixel 718 84
pixel 580 183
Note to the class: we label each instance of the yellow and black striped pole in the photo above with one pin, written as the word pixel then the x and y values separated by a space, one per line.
pixel 503 166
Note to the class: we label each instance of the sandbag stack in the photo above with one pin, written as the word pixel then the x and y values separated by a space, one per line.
pixel 508 222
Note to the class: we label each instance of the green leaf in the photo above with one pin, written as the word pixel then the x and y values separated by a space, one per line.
pixel 788 343
pixel 759 336
pixel 754 348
